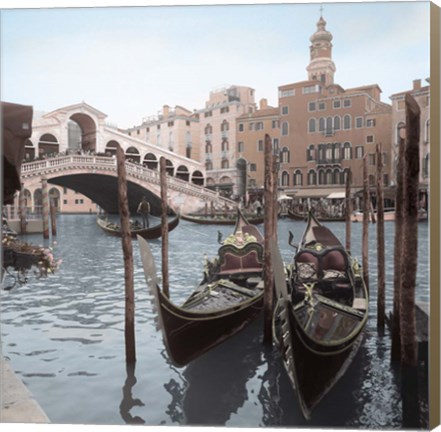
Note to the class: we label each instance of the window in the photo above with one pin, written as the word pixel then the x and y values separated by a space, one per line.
pixel 260 146
pixel 208 113
pixel 298 178
pixel 187 122
pixel 285 129
pixel 225 146
pixel 322 153
pixel 372 159
pixel 137 132
pixel 329 126
pixel 253 167
pixel 251 126
pixel 371 180
pixel 208 148
pixel 224 110
pixel 64 201
pixel 386 179
pixel 240 147
pixel 259 126
pixel 276 143
pixel 322 177
pixel 311 125
pixel 359 122
pixel 321 124
pixel 370 122
pixel 400 132
pixel 427 132
pixel 286 93
pixel 275 124
pixel 336 104
pixel 310 153
pixel 311 106
pixel 322 106
pixel 311 89
pixel 426 165
pixel 347 151
pixel 347 122
pixel 208 165
pixel 284 110
pixel 284 155
pixel 329 153
pixel 370 139
pixel 225 164
pixel 347 103
pixel 359 152
pixel 240 127
pixel 312 178
pixel 336 123
pixel 158 126
pixel 147 130
pixel 170 123
pixel 285 178
pixel 224 126
pixel 208 129
pixel 329 177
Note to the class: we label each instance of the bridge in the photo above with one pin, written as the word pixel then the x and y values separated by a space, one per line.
pixel 96 177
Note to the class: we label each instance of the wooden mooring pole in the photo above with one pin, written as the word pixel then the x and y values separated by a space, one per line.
pixel 365 232
pixel 45 195
pixel 126 239
pixel 410 245
pixel 164 226
pixel 269 235
pixel 381 279
pixel 53 210
pixel 348 208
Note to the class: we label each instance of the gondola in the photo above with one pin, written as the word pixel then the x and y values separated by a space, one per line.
pixel 320 315
pixel 229 296
pixel 219 219
pixel 136 228
pixel 322 218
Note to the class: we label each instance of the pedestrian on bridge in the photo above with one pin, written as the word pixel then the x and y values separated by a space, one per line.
pixel 144 211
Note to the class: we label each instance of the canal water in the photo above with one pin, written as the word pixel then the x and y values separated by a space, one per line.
pixel 64 337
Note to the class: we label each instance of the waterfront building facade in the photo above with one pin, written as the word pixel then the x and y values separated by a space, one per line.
pixel 421 94
pixel 325 130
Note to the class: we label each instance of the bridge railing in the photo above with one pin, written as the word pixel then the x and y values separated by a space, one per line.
pixel 137 170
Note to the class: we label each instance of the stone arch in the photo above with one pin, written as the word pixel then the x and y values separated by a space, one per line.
pixel 169 167
pixel 38 200
pixel 111 147
pixel 28 198
pixel 150 161
pixel 225 180
pixel 210 181
pixel 87 131
pixel 48 144
pixel 54 197
pixel 132 154
pixel 29 151
pixel 182 173
pixel 197 178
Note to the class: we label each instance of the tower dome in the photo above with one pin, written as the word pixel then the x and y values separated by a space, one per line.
pixel 321 34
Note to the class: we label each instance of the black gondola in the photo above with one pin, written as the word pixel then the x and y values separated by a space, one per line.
pixel 321 311
pixel 219 219
pixel 229 296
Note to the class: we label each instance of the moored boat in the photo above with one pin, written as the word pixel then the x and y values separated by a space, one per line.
pixel 220 219
pixel 136 228
pixel 389 215
pixel 322 218
pixel 321 312
pixel 229 296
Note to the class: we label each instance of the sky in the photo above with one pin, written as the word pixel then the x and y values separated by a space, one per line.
pixel 130 61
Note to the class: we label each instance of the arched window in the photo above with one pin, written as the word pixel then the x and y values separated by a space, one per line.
pixel 336 123
pixel 322 177
pixel 329 153
pixel 225 126
pixel 298 178
pixel 208 129
pixel 208 148
pixel 225 145
pixel 47 144
pixel 285 178
pixel 321 124
pixel 329 125
pixel 225 164
pixel 285 128
pixel 310 153
pixel 337 176
pixel 312 178
pixel 347 122
pixel 150 161
pixel 208 165
pixel 311 125
pixel 426 165
pixel 284 155
pixel 329 177
pixel 347 151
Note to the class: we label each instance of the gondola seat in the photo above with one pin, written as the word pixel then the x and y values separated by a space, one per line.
pixel 233 260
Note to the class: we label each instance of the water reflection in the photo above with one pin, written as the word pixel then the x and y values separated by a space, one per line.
pixel 128 402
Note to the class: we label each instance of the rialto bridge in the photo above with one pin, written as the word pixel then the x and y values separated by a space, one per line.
pixel 74 147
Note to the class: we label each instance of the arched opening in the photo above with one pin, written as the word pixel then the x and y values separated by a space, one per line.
pixel 150 161
pixel 182 173
pixel 132 155
pixel 170 169
pixel 111 147
pixel 84 138
pixel 29 151
pixel 54 197
pixel 197 178
pixel 48 145
pixel 210 182
pixel 28 199
pixel 38 201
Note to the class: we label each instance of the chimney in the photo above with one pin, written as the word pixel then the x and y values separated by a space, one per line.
pixel 416 84
pixel 165 111
pixel 263 103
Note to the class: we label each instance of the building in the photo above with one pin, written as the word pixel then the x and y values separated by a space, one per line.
pixel 422 96
pixel 176 130
pixel 325 130
pixel 218 141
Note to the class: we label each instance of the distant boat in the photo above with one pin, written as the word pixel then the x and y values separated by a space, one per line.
pixel 292 214
pixel 389 215
pixel 229 296
pixel 320 314
pixel 136 228
pixel 220 219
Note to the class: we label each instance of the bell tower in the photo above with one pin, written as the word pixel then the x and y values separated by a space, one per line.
pixel 321 67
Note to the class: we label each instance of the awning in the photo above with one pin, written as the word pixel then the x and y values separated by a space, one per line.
pixel 284 197
pixel 311 193
pixel 336 195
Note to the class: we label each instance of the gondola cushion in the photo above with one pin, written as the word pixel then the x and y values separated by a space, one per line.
pixel 247 260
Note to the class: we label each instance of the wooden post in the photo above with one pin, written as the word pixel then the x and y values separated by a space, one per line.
pixel 53 218
pixel 398 249
pixel 381 283
pixel 22 210
pixel 348 206
pixel 45 194
pixel 164 226
pixel 269 235
pixel 275 201
pixel 365 234
pixel 126 239
pixel 410 245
